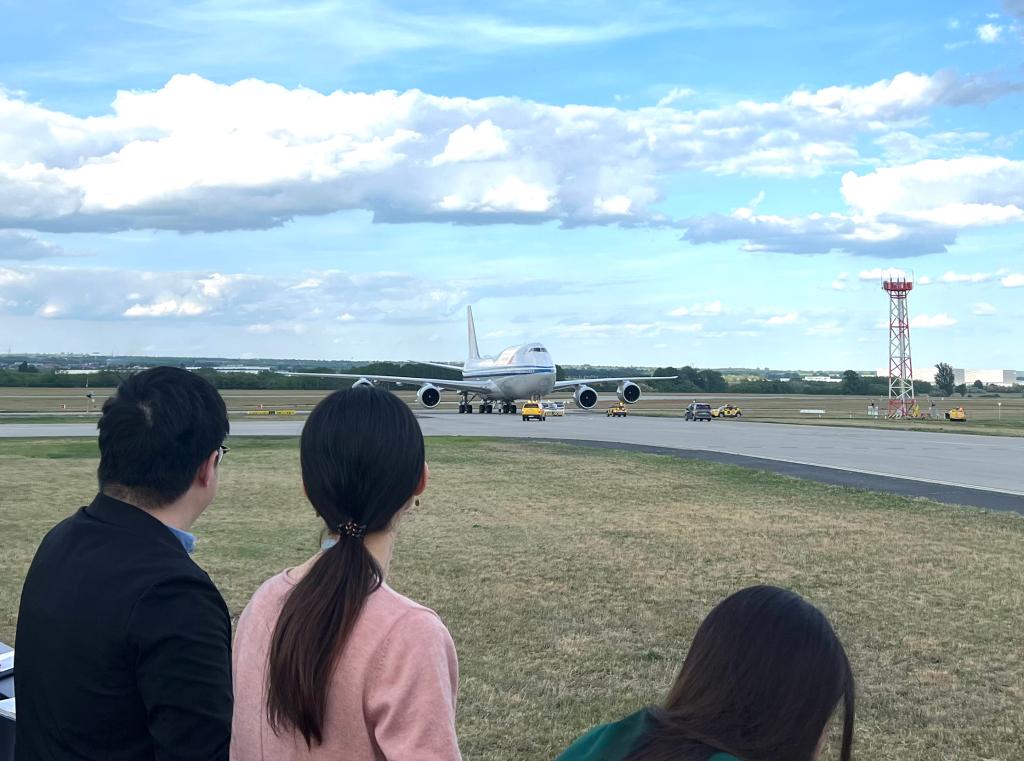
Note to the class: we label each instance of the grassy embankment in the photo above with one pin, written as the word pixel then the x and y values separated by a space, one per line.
pixel 572 600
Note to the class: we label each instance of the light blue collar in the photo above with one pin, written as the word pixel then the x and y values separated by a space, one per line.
pixel 188 541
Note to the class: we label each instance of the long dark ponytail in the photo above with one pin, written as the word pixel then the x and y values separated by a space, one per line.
pixel 362 460
pixel 763 677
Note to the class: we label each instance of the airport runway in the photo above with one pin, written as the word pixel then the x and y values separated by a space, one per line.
pixel 986 471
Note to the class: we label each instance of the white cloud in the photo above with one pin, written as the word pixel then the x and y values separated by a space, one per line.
pixel 924 280
pixel 989 33
pixel 258 304
pixel 168 308
pixel 1013 280
pixel 958 192
pixel 608 331
pixel 875 275
pixel 709 309
pixel 775 320
pixel 925 321
pixel 674 95
pixel 469 143
pixel 956 277
pixel 982 308
pixel 200 156
pixel 16 245
pixel 841 282
pixel 783 319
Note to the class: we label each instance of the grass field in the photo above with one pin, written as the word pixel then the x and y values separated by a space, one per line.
pixel 989 415
pixel 572 601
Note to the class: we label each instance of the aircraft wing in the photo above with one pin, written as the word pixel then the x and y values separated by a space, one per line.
pixel 566 384
pixel 443 385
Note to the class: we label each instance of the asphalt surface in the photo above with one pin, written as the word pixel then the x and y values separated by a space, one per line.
pixel 982 471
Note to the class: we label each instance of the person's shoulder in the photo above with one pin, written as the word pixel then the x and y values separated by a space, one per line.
pixel 607 742
pixel 397 608
pixel 266 602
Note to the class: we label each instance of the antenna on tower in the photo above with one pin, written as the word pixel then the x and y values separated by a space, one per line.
pixel 901 368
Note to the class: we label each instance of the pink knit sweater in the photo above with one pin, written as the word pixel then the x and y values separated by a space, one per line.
pixel 392 696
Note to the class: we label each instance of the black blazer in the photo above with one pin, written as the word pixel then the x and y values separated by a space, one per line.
pixel 123 645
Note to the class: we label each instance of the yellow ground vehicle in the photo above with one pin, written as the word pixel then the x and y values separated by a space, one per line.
pixel 616 410
pixel 957 414
pixel 727 410
pixel 533 411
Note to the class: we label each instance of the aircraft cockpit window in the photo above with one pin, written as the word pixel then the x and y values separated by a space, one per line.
pixel 539 348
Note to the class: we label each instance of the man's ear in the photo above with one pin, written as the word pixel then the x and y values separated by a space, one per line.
pixel 207 471
pixel 424 480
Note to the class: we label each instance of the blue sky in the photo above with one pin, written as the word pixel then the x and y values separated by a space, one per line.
pixel 717 184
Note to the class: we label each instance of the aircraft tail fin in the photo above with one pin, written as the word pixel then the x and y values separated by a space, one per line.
pixel 474 350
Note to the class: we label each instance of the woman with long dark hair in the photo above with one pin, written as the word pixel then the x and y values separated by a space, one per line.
pixel 762 680
pixel 329 661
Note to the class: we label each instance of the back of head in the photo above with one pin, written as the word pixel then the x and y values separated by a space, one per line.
pixel 155 432
pixel 763 677
pixel 362 459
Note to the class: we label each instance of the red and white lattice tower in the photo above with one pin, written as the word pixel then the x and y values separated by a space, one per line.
pixel 901 368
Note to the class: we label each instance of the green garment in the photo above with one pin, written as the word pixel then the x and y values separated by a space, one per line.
pixel 613 742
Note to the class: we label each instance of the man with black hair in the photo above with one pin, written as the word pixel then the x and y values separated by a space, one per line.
pixel 124 643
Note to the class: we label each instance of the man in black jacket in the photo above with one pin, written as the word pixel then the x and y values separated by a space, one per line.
pixel 124 643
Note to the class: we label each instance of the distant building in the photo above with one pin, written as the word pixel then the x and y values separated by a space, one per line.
pixel 247 369
pixel 987 377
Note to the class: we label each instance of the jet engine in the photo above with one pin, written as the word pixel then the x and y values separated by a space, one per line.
pixel 362 382
pixel 585 397
pixel 428 395
pixel 628 392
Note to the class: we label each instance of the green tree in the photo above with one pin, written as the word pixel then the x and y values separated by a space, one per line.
pixel 944 378
pixel 853 383
pixel 979 384
pixel 961 389
pixel 25 367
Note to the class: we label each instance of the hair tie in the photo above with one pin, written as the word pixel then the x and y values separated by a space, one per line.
pixel 352 529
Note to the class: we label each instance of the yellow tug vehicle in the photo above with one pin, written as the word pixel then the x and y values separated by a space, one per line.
pixel 727 410
pixel 957 414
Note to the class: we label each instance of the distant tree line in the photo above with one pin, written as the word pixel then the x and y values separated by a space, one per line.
pixel 690 380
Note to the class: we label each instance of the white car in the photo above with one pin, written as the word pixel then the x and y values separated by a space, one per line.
pixel 553 409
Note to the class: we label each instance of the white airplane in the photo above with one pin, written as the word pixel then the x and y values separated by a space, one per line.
pixel 519 372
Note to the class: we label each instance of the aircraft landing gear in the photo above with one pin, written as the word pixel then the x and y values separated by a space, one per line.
pixel 507 408
pixel 486 408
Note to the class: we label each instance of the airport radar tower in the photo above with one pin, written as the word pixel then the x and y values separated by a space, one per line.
pixel 901 368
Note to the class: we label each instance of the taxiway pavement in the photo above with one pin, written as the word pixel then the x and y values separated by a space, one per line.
pixel 981 463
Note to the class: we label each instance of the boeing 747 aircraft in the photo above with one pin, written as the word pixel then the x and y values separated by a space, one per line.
pixel 519 372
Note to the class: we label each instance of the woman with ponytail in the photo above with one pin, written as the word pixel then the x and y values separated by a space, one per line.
pixel 762 681
pixel 329 661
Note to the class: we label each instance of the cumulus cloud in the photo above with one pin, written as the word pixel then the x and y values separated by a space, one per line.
pixel 258 303
pixel 200 156
pixel 469 143
pixel 1013 280
pixel 956 277
pixel 961 192
pixel 907 210
pixel 983 309
pixel 709 309
pixel 989 33
pixel 15 245
pixel 841 282
pixel 926 321
pixel 819 233
pixel 776 319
